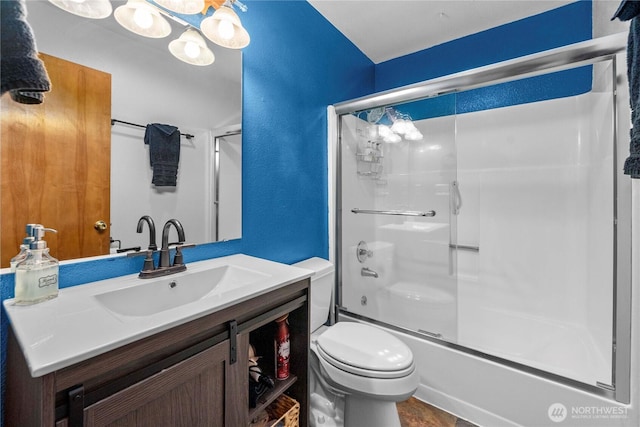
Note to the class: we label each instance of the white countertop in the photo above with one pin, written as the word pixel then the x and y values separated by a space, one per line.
pixel 75 326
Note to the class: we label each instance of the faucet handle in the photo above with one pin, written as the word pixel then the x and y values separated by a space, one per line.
pixel 148 262
pixel 363 252
pixel 178 259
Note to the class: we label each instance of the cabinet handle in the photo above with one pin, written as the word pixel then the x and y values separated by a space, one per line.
pixel 76 407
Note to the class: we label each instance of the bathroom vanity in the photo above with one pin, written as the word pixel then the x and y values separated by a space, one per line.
pixel 182 366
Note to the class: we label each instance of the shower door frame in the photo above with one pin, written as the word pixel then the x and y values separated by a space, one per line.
pixel 571 56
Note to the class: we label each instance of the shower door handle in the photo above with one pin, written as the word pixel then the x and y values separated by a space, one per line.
pixel 456 198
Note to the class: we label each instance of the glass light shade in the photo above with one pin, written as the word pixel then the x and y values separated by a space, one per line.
pixel 384 131
pixel 191 48
pixel 141 18
pixel 94 9
pixel 400 126
pixel 414 135
pixel 224 29
pixel 393 138
pixel 185 7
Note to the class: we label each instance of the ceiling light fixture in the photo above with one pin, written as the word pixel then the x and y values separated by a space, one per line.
pixel 185 7
pixel 94 9
pixel 141 18
pixel 225 29
pixel 191 48
pixel 147 18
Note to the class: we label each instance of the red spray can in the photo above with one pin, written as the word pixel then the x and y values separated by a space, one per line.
pixel 282 348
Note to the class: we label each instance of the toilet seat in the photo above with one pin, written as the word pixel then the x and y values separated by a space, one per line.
pixel 365 351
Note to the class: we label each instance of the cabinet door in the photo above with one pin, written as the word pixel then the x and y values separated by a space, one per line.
pixel 190 393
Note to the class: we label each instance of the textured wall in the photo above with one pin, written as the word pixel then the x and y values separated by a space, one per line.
pixel 294 67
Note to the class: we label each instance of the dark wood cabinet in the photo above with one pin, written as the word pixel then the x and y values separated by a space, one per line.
pixel 195 374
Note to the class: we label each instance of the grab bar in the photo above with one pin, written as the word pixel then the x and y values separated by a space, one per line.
pixel 403 213
pixel 465 247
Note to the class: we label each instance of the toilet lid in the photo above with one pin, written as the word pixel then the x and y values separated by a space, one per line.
pixel 365 350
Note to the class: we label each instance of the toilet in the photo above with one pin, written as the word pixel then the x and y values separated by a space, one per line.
pixel 357 371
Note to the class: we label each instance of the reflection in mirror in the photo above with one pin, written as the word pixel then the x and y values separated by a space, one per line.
pixel 228 185
pixel 148 85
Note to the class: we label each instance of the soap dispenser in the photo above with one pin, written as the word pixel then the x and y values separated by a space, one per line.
pixel 37 275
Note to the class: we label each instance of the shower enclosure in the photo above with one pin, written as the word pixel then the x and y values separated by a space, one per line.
pixel 483 211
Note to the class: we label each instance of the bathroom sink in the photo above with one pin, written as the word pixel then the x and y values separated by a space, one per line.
pixel 155 296
pixel 62 331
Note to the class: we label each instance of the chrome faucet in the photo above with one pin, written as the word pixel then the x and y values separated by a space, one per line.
pixel 164 250
pixel 152 231
pixel 367 272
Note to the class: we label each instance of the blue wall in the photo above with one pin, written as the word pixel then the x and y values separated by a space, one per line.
pixel 295 66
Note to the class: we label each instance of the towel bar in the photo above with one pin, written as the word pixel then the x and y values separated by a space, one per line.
pixel 114 121
pixel 402 213
pixel 465 247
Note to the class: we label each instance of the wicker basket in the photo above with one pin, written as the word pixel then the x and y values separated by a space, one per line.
pixel 286 409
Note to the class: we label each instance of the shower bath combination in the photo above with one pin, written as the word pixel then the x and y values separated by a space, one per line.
pixel 504 232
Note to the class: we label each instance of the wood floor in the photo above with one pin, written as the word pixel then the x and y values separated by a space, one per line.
pixel 415 413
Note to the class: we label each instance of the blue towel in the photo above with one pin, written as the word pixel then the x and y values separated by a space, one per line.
pixel 22 73
pixel 164 153
pixel 630 10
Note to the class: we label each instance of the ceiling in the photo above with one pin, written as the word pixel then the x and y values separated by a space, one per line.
pixel 387 29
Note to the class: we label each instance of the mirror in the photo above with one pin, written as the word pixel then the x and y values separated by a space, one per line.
pixel 149 85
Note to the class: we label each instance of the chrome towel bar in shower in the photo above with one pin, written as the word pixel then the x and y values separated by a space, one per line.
pixel 403 213
pixel 465 247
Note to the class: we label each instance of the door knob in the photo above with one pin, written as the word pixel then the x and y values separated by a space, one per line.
pixel 100 225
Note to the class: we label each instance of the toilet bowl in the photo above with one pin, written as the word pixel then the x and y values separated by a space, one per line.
pixel 358 371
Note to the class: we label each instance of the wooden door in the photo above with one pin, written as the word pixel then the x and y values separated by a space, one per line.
pixel 189 394
pixel 56 163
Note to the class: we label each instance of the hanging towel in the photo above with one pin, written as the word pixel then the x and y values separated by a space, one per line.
pixel 22 73
pixel 164 153
pixel 630 10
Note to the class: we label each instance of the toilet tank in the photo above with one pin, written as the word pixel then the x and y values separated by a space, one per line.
pixel 322 284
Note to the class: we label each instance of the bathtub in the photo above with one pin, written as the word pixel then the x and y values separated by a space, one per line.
pixel 493 394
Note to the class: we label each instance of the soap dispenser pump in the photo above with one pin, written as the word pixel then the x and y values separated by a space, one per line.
pixel 37 275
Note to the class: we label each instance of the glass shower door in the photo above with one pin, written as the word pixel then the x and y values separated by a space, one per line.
pixel 488 219
pixel 399 203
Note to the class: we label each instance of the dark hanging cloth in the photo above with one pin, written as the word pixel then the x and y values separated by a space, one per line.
pixel 164 153
pixel 630 10
pixel 22 73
